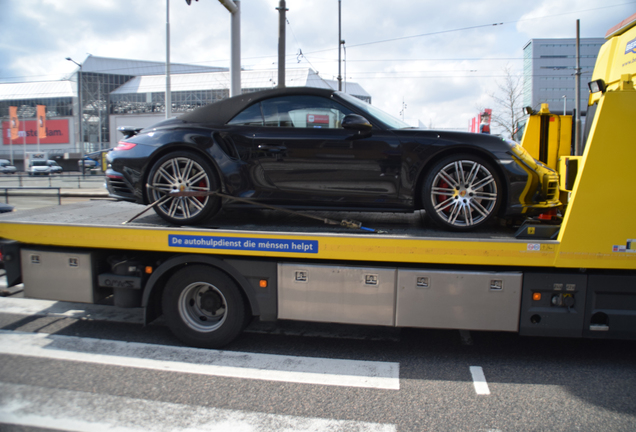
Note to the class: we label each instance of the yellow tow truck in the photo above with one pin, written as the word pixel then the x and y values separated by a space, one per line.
pixel 571 276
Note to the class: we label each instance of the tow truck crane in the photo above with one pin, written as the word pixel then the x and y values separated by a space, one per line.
pixel 575 277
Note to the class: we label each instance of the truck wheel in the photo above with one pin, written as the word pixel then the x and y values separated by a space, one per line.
pixel 183 172
pixel 203 307
pixel 461 192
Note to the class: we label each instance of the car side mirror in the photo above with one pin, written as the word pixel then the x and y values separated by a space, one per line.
pixel 357 123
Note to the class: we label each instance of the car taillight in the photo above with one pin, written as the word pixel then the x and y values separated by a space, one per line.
pixel 123 145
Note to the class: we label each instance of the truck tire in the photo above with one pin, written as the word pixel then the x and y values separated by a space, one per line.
pixel 183 171
pixel 462 192
pixel 204 307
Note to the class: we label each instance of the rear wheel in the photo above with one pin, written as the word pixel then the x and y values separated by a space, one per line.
pixel 462 192
pixel 183 172
pixel 204 307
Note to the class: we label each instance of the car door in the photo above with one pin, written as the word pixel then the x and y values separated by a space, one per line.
pixel 306 156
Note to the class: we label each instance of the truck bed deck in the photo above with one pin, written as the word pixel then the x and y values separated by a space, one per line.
pixel 104 213
pixel 403 237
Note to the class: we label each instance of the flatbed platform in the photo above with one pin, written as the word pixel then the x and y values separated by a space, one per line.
pixel 115 213
pixel 404 237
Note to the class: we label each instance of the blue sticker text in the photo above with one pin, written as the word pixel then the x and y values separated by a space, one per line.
pixel 244 244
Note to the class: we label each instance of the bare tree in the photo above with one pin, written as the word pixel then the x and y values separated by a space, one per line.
pixel 508 102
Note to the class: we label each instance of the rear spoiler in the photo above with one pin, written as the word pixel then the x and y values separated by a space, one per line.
pixel 129 131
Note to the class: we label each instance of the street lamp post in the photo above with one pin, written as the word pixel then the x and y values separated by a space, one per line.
pixel 168 96
pixel 80 112
pixel 577 95
pixel 565 103
pixel 339 48
pixel 282 9
pixel 234 7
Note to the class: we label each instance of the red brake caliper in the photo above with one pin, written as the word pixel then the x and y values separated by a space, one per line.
pixel 202 184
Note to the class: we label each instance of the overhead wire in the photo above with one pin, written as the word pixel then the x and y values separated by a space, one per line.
pixel 301 55
pixel 475 27
pixel 304 54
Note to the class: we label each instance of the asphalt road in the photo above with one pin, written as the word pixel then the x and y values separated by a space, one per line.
pixel 68 366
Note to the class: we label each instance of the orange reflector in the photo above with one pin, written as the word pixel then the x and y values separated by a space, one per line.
pixel 148 270
pixel 262 283
pixel 547 215
pixel 536 296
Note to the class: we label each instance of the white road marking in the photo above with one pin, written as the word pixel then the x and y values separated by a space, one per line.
pixel 269 367
pixel 76 411
pixel 22 306
pixel 479 380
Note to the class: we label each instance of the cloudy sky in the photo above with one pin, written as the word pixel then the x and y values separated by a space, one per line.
pixel 440 58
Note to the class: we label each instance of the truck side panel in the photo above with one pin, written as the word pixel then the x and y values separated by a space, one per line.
pixel 467 300
pixel 341 294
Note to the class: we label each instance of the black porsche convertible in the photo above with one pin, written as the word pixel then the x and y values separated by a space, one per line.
pixel 318 149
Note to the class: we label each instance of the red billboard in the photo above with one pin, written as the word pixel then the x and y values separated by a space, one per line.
pixel 56 132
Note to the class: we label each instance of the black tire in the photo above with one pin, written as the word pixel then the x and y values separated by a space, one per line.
pixel 462 192
pixel 204 307
pixel 183 171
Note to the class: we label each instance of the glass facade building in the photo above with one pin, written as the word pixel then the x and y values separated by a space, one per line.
pixel 101 90
pixel 549 72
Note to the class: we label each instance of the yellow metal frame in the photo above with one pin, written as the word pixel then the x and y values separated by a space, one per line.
pixel 362 247
pixel 599 225
pixel 559 136
pixel 616 64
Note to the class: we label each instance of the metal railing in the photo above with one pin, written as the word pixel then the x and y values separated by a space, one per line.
pixel 22 194
pixel 65 181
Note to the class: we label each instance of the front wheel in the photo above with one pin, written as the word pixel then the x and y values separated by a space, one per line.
pixel 204 307
pixel 183 172
pixel 462 192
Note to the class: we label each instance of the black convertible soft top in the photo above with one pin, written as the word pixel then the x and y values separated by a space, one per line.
pixel 220 113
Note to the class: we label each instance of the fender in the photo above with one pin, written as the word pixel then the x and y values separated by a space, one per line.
pixel 160 274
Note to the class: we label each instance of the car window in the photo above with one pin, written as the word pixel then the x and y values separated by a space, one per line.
pixel 294 111
pixel 390 121
pixel 251 116
pixel 303 112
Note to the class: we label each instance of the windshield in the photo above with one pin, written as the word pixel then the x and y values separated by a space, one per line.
pixel 390 121
pixel 38 163
pixel 520 129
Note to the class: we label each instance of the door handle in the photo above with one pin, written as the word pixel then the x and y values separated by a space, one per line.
pixel 272 148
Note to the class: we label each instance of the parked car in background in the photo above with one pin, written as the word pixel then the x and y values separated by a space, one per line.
pixel 54 168
pixel 6 208
pixel 87 162
pixel 6 167
pixel 39 167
